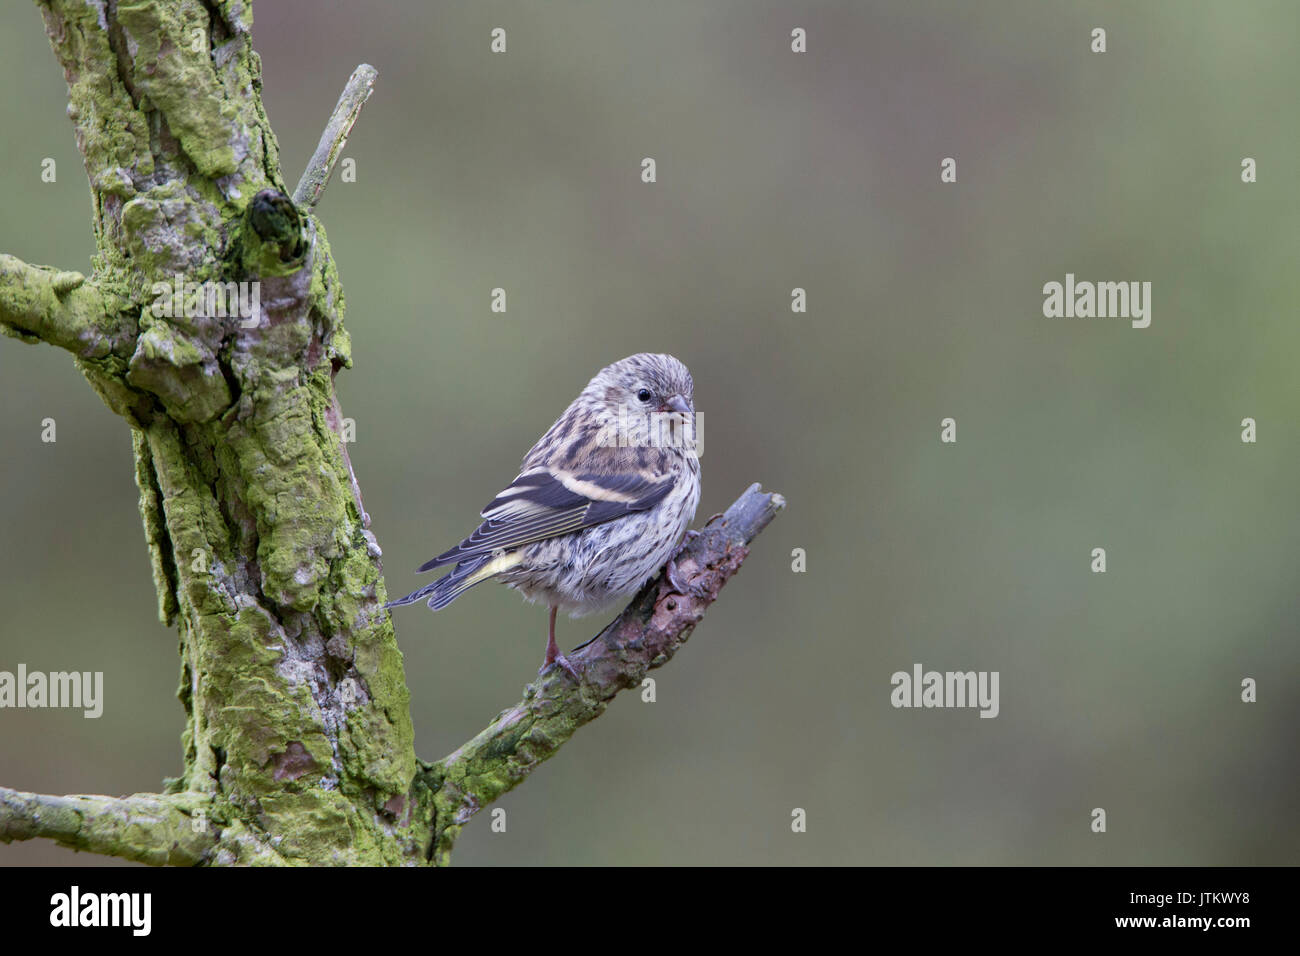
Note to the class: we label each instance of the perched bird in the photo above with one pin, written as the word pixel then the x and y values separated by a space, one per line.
pixel 601 503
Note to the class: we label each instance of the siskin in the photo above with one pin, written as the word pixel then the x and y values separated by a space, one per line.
pixel 601 503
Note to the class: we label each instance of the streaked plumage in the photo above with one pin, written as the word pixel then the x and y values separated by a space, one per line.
pixel 601 501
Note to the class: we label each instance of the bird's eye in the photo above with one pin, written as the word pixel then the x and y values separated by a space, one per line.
pixel 643 395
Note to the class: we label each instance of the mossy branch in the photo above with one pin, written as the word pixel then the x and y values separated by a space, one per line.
pixel 644 636
pixel 40 304
pixel 147 827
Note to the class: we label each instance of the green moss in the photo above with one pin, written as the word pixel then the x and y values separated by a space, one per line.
pixel 293 495
pixel 252 712
pixel 182 374
pixel 42 304
pixel 328 300
pixel 161 558
pixel 112 134
pixel 179 79
pixel 268 239
pixel 167 232
pixel 315 826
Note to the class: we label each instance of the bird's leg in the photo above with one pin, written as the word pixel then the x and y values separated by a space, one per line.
pixel 671 572
pixel 552 650
pixel 553 655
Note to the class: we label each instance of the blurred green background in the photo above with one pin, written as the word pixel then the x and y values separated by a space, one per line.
pixel 775 170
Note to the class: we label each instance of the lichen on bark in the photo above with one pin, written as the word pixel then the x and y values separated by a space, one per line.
pixel 298 726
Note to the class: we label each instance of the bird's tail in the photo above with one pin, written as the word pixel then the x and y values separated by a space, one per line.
pixel 466 574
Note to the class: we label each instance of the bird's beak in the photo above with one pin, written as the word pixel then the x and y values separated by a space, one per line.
pixel 676 404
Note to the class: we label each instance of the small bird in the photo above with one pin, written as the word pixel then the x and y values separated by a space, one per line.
pixel 601 503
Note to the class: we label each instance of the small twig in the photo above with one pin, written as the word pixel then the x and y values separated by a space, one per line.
pixel 646 635
pixel 335 136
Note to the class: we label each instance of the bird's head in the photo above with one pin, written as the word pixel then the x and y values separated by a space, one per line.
pixel 641 386
pixel 645 383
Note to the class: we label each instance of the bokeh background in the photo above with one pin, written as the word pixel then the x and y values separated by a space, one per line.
pixel 821 170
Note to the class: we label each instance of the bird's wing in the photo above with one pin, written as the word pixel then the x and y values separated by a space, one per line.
pixel 547 502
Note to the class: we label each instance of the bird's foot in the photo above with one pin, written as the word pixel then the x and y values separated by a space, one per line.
pixel 563 662
pixel 673 573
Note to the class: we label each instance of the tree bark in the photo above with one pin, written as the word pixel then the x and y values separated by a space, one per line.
pixel 298 745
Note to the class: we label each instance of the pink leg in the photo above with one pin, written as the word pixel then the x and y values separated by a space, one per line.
pixel 553 655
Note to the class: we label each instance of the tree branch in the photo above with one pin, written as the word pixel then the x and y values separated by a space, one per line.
pixel 38 303
pixel 147 827
pixel 645 636
pixel 298 738
pixel 335 137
